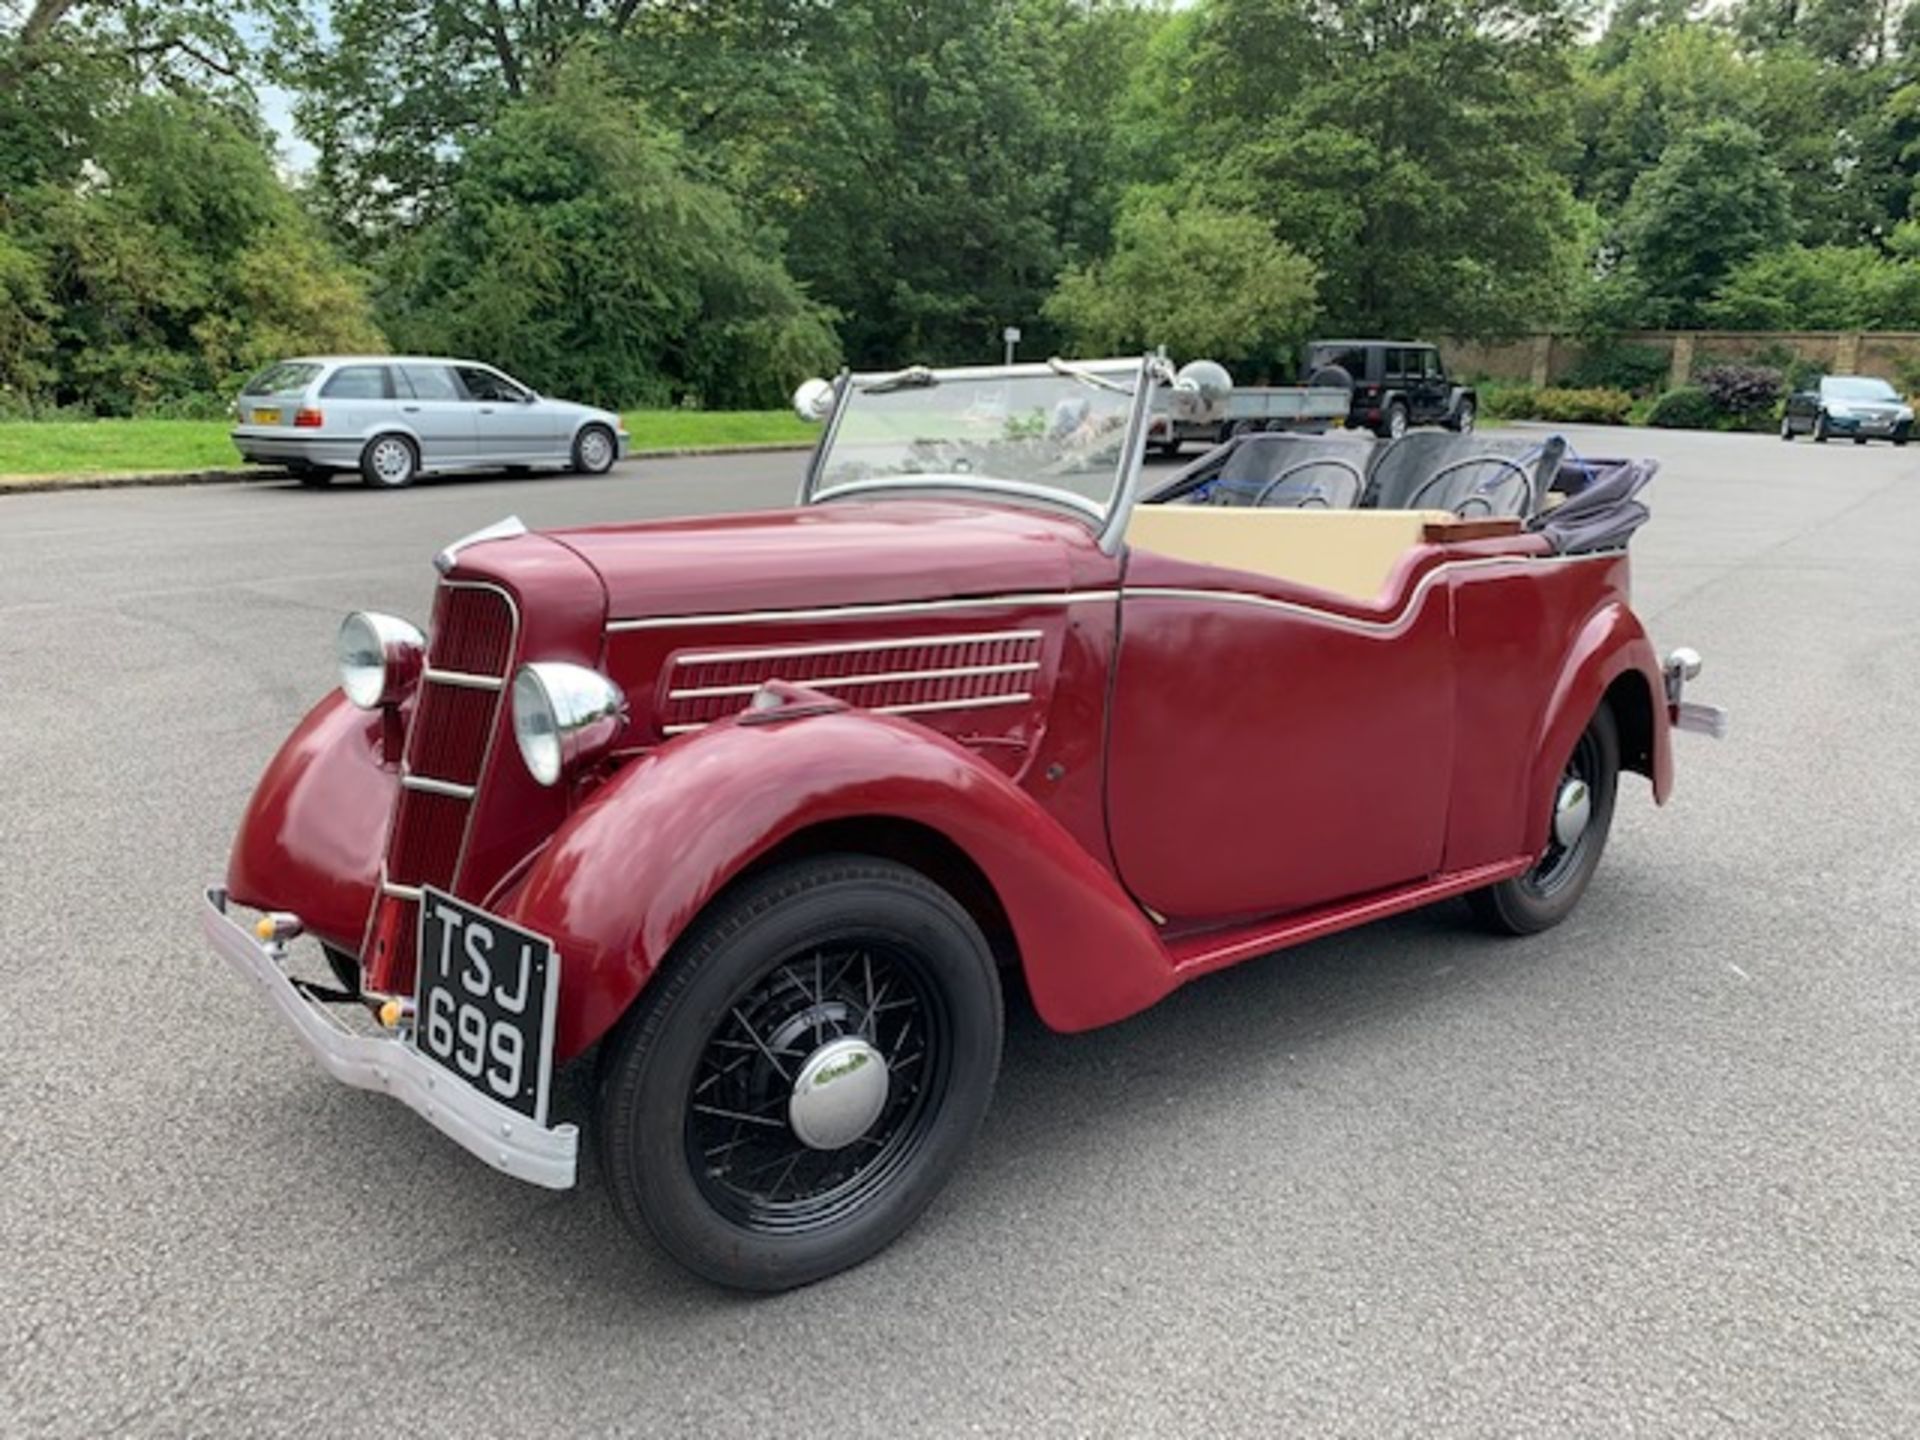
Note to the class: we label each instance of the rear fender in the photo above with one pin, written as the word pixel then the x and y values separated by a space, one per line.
pixel 1611 660
pixel 632 868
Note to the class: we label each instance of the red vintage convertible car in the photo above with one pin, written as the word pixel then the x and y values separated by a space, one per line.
pixel 764 809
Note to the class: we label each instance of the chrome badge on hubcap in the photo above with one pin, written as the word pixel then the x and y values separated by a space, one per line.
pixel 839 1093
pixel 1572 808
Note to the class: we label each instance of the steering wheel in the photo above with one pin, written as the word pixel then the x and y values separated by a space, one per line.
pixel 1319 496
pixel 1510 470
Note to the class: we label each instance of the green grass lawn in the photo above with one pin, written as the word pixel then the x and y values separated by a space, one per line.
pixel 124 447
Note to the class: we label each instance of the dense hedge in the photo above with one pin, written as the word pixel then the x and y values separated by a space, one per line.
pixel 1566 405
pixel 1688 408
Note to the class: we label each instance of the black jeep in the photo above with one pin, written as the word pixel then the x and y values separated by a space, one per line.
pixel 1395 383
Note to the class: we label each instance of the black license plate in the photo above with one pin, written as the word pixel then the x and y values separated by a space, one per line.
pixel 483 1002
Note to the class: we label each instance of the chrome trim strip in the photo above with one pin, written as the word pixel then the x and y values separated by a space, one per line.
pixel 836 682
pixel 427 785
pixel 397 890
pixel 509 528
pixel 1060 599
pixel 920 708
pixel 463 679
pixel 860 611
pixel 503 1137
pixel 854 647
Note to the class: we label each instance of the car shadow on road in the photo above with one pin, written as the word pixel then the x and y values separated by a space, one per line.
pixel 1061 1097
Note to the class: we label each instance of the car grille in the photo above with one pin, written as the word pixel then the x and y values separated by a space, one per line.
pixel 901 677
pixel 455 719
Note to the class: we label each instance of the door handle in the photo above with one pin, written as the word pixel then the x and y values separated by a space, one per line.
pixel 486 409
pixel 411 409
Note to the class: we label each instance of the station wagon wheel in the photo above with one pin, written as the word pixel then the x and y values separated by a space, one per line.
pixel 593 450
pixel 1582 815
pixel 389 461
pixel 800 1079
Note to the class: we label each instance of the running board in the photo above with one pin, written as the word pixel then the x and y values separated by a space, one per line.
pixel 1201 954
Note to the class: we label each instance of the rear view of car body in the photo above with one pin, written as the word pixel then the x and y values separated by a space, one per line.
pixel 320 415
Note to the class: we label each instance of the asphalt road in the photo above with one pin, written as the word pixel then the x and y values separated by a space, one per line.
pixel 1656 1171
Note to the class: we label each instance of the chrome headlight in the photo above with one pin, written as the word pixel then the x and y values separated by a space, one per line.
pixel 381 657
pixel 563 715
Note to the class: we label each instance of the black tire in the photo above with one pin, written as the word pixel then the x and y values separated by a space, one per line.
pixel 1461 421
pixel 1393 421
pixel 1786 427
pixel 313 479
pixel 390 462
pixel 594 450
pixel 1547 894
pixel 750 970
pixel 1820 431
pixel 1170 449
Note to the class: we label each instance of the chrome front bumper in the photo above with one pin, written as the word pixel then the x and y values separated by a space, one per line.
pixel 504 1138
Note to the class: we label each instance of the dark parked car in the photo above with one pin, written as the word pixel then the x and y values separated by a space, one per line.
pixel 1857 406
pixel 1396 383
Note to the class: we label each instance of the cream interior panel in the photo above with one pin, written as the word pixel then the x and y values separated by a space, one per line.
pixel 1348 552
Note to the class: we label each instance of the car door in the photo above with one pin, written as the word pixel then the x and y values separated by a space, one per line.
pixel 1269 751
pixel 510 427
pixel 433 406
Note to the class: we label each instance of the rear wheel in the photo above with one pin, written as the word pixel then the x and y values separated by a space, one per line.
pixel 804 1074
pixel 1576 836
pixel 1463 418
pixel 593 450
pixel 313 478
pixel 390 462
pixel 1394 423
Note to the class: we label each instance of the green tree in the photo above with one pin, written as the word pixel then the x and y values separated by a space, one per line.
pixel 1829 287
pixel 578 250
pixel 1715 200
pixel 1410 149
pixel 180 264
pixel 1201 281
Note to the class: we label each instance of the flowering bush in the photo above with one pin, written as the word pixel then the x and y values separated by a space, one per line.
pixel 1742 390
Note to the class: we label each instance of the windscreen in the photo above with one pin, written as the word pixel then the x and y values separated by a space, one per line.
pixel 1858 387
pixel 1024 431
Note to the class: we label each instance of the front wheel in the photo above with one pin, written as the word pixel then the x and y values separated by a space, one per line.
pixel 1463 418
pixel 593 450
pixel 1576 834
pixel 804 1074
pixel 1820 431
pixel 1786 427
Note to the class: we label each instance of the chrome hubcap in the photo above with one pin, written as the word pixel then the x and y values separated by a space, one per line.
pixel 391 460
pixel 594 450
pixel 838 1094
pixel 1572 809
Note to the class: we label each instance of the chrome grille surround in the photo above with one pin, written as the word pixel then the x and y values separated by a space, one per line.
pixel 456 723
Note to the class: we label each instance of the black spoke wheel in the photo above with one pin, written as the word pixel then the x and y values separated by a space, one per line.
pixel 751 1162
pixel 807 1069
pixel 1582 815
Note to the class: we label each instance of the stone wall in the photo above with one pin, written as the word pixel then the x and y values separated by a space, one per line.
pixel 1549 359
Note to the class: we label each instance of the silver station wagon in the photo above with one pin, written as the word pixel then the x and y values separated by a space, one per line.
pixel 395 417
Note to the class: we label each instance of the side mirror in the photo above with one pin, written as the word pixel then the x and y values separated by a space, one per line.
pixel 813 401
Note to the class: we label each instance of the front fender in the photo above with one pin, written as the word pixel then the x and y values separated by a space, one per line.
pixel 1610 645
pixel 632 868
pixel 315 830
